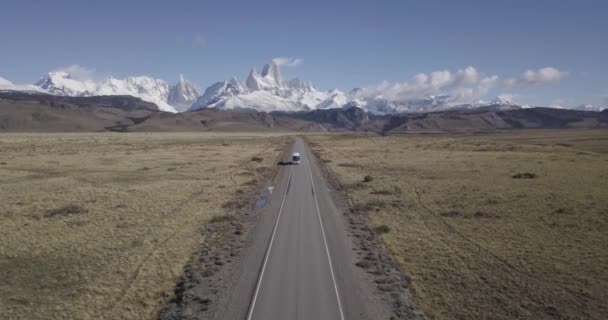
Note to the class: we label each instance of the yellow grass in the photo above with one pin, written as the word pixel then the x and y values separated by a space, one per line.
pixel 478 243
pixel 99 226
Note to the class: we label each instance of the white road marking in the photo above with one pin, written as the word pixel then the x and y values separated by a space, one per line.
pixel 274 231
pixel 331 268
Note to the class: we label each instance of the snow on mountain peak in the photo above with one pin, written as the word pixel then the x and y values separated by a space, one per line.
pixel 183 94
pixel 148 89
pixel 588 107
pixel 63 84
pixel 8 85
pixel 253 80
pixel 5 83
pixel 273 72
pixel 264 92
pixel 298 84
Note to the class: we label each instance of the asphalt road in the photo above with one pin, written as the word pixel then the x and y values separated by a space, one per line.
pixel 300 263
pixel 297 280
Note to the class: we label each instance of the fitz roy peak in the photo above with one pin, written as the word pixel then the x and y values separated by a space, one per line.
pixel 266 91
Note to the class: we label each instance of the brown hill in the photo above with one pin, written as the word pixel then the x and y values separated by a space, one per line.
pixel 36 112
pixel 216 120
pixel 480 121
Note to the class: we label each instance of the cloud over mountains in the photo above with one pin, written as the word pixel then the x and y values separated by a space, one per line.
pixel 464 85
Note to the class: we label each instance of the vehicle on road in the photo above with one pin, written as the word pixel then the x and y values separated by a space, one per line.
pixel 295 159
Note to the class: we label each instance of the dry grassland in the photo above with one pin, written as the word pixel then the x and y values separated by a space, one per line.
pixel 99 226
pixel 497 226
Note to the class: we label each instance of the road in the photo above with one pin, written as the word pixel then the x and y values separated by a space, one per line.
pixel 300 264
pixel 297 280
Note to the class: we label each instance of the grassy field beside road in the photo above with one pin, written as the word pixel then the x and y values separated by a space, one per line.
pixel 495 226
pixel 99 226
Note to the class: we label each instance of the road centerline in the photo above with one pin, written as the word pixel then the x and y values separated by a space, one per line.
pixel 331 268
pixel 274 231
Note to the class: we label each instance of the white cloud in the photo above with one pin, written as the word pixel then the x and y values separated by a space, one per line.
pixel 79 72
pixel 540 76
pixel 288 62
pixel 464 85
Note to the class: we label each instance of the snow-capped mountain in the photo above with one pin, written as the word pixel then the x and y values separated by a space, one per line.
pixel 183 94
pixel 146 88
pixel 588 107
pixel 267 91
pixel 5 83
pixel 62 84
pixel 8 85
pixel 233 94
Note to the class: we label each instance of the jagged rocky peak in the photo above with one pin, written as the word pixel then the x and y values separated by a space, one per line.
pixel 253 80
pixel 218 91
pixel 298 84
pixel 235 83
pixel 183 94
pixel 273 71
pixel 63 84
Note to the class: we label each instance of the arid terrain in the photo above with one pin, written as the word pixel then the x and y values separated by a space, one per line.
pixel 488 226
pixel 101 225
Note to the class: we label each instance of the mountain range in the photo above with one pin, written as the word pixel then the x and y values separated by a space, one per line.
pixel 27 111
pixel 264 91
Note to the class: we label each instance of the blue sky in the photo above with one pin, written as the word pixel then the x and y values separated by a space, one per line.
pixel 341 44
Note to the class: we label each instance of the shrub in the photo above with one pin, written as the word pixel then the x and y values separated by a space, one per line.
pixel 257 159
pixel 67 210
pixel 368 179
pixel 222 218
pixel 525 175
pixel 382 229
pixel 383 192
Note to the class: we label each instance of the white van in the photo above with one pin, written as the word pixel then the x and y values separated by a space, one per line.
pixel 295 159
